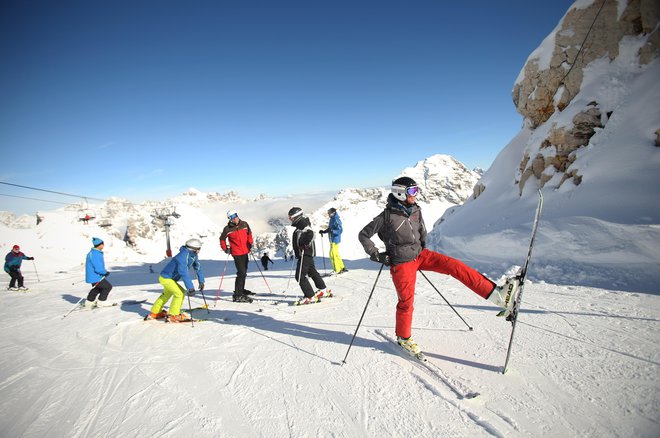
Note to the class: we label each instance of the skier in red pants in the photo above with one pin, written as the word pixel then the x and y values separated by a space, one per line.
pixel 401 227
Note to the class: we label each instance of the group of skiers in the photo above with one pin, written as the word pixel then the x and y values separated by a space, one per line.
pixel 400 226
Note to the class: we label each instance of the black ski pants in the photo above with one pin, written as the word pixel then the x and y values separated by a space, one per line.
pixel 241 262
pixel 16 276
pixel 304 268
pixel 100 289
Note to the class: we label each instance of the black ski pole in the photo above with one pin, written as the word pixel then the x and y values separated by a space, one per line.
pixel 203 297
pixel 325 271
pixel 262 274
pixel 452 307
pixel 363 312
pixel 192 321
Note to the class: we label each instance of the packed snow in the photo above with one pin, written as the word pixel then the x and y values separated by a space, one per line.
pixel 585 360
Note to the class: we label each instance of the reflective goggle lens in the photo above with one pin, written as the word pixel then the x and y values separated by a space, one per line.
pixel 412 191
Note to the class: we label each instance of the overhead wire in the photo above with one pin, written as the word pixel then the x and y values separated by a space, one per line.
pixel 52 191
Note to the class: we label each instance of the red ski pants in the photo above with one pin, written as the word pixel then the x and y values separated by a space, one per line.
pixel 405 275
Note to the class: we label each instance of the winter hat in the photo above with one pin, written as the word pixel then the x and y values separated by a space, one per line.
pixel 96 241
pixel 332 211
pixel 16 247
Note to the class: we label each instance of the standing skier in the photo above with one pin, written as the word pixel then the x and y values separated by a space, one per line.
pixel 304 250
pixel 96 275
pixel 401 227
pixel 239 235
pixel 264 261
pixel 13 262
pixel 178 269
pixel 334 231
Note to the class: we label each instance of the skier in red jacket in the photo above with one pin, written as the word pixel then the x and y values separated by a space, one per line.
pixel 239 235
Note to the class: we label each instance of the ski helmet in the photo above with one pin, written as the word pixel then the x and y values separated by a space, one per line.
pixel 295 213
pixel 231 214
pixel 194 244
pixel 403 186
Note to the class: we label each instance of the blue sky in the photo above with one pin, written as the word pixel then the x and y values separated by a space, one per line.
pixel 144 99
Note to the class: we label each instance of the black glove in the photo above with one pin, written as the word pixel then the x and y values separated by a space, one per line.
pixel 380 258
pixel 30 258
pixel 191 292
pixel 201 286
pixel 106 274
pixel 249 245
pixel 227 251
pixel 322 231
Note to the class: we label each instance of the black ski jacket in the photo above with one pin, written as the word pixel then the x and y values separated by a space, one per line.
pixel 401 228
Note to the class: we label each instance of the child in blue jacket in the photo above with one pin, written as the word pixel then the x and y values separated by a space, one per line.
pixel 96 275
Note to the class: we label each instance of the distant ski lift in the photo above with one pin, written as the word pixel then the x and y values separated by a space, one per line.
pixel 104 221
pixel 86 215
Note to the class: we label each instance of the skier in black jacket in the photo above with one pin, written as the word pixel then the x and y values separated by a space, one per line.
pixel 304 250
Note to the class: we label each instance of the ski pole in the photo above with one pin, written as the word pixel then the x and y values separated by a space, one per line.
pixel 299 273
pixel 74 307
pixel 363 312
pixel 325 271
pixel 221 279
pixel 293 259
pixel 192 321
pixel 262 274
pixel 35 271
pixel 80 300
pixel 206 306
pixel 452 307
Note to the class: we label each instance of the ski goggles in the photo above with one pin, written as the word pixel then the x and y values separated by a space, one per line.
pixel 233 216
pixel 410 191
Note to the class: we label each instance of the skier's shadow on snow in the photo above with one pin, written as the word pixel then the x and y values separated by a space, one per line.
pixel 260 323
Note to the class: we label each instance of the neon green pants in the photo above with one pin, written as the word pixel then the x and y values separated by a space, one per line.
pixel 172 289
pixel 337 263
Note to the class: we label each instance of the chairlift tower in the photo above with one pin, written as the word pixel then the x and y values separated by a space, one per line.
pixel 162 216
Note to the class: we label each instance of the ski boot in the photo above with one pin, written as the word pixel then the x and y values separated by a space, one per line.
pixel 505 296
pixel 322 293
pixel 106 303
pixel 160 315
pixel 306 300
pixel 182 317
pixel 89 305
pixel 410 346
pixel 241 298
pixel 23 288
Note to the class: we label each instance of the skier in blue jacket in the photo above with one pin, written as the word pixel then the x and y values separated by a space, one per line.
pixel 334 231
pixel 13 262
pixel 96 275
pixel 178 269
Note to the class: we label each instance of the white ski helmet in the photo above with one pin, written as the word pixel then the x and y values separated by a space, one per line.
pixel 231 214
pixel 194 244
pixel 403 186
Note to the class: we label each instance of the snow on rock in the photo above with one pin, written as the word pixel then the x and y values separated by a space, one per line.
pixel 588 143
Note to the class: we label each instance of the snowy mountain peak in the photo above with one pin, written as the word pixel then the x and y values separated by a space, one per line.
pixel 442 177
